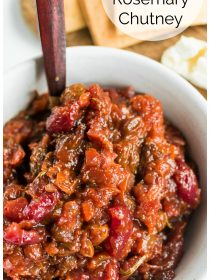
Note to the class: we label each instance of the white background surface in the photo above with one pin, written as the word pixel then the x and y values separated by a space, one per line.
pixel 19 42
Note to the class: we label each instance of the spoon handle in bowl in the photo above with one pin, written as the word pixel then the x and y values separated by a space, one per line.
pixel 53 39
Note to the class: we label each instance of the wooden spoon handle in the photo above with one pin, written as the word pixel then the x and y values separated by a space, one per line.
pixel 53 38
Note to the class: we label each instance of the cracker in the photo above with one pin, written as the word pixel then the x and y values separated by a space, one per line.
pixel 103 31
pixel 73 17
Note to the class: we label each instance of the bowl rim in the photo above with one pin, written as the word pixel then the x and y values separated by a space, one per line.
pixel 99 50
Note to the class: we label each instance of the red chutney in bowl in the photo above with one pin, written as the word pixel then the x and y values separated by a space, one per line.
pixel 97 188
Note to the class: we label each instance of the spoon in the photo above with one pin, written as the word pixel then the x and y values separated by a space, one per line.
pixel 53 39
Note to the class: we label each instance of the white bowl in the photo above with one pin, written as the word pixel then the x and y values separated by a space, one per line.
pixel 182 104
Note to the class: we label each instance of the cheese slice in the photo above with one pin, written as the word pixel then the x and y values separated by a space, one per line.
pixel 188 57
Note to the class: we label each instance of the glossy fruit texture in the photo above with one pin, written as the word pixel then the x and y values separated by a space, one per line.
pixel 187 183
pixel 120 231
pixel 98 188
pixel 15 235
pixel 38 209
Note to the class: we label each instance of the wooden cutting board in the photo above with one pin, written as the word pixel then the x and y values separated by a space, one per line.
pixel 73 17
